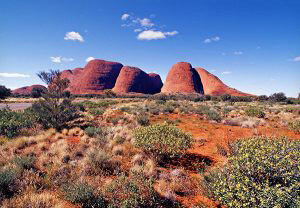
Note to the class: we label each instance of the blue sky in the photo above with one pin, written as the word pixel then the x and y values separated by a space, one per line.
pixel 251 45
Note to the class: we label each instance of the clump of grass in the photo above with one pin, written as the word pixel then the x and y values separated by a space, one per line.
pixel 262 172
pixel 133 191
pixel 100 162
pixel 34 200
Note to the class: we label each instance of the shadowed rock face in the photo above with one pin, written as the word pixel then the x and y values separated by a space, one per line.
pixel 27 90
pixel 155 84
pixel 212 85
pixel 132 79
pixel 182 78
pixel 95 77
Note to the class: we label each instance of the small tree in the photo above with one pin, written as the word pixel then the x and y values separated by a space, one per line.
pixel 278 97
pixel 54 110
pixel 4 92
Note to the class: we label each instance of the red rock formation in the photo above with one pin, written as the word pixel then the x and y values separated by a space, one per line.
pixel 27 90
pixel 95 77
pixel 182 78
pixel 212 85
pixel 132 79
pixel 154 84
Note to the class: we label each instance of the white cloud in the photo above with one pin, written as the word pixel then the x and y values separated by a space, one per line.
pixel 73 36
pixel 151 35
pixel 226 72
pixel 171 33
pixel 238 53
pixel 212 39
pixel 154 35
pixel 60 59
pixel 145 22
pixel 90 59
pixel 296 59
pixel 125 16
pixel 13 75
pixel 138 30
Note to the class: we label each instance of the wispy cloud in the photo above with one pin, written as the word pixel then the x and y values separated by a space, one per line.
pixel 138 30
pixel 226 72
pixel 60 59
pixel 238 53
pixel 13 75
pixel 125 16
pixel 212 39
pixel 154 35
pixel 296 59
pixel 90 59
pixel 75 36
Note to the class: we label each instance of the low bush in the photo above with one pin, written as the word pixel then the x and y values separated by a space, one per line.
pixel 143 120
pixel 12 122
pixel 254 112
pixel 162 139
pixel 25 162
pixel 295 126
pixel 261 172
pixel 8 179
pixel 210 113
pixel 83 194
pixel 97 111
pixel 93 131
pixel 262 98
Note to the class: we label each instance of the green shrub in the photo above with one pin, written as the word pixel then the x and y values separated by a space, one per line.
pixel 83 194
pixel 97 111
pixel 8 179
pixel 12 122
pixel 162 139
pixel 93 131
pixel 24 162
pixel 262 98
pixel 4 92
pixel 211 114
pixel 295 126
pixel 225 97
pixel 143 120
pixel 254 112
pixel 261 172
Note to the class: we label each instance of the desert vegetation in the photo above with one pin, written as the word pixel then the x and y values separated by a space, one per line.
pixel 149 151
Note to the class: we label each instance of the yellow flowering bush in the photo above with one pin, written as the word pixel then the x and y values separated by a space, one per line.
pixel 261 172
